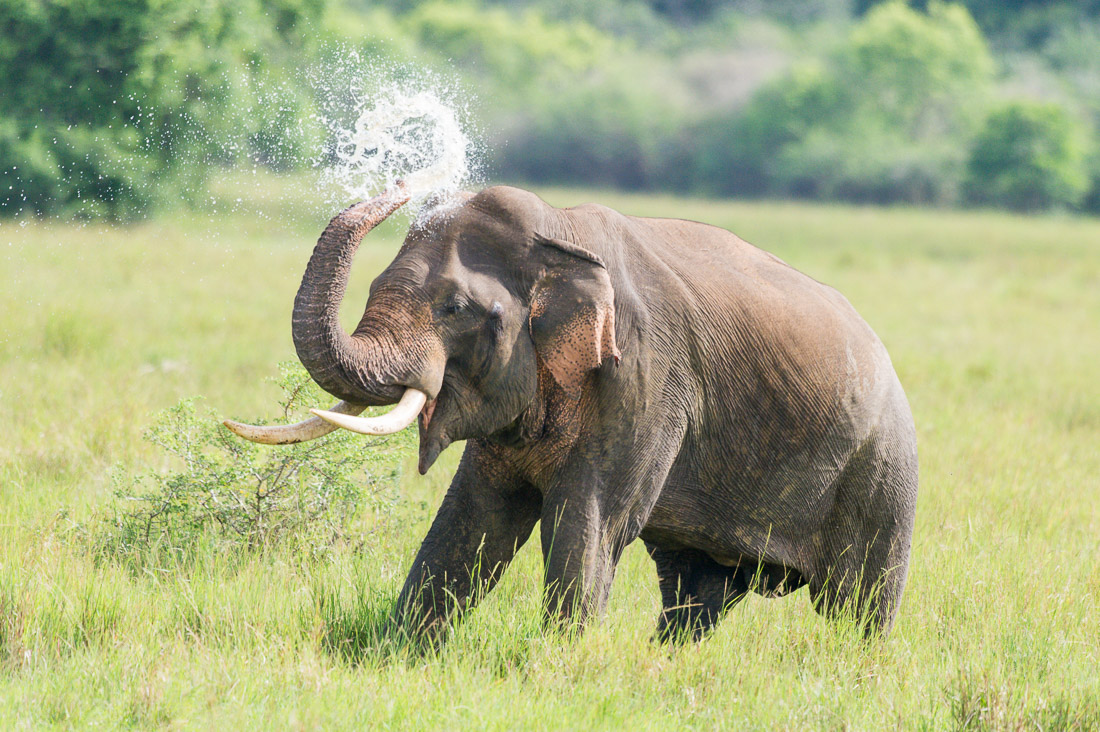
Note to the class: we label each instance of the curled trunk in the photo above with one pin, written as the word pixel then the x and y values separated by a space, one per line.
pixel 363 368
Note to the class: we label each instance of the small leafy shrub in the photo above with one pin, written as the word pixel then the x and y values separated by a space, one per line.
pixel 1029 156
pixel 227 493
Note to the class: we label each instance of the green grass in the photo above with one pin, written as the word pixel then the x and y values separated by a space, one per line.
pixel 993 323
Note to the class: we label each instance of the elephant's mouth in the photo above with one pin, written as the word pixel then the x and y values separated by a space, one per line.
pixel 432 428
pixel 426 415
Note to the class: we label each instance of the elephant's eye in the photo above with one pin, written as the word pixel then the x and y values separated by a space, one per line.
pixel 453 305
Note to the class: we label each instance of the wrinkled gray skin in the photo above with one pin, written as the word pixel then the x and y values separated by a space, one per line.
pixel 620 378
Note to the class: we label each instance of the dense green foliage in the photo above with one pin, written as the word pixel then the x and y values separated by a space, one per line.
pixel 884 120
pixel 990 320
pixel 110 108
pixel 1029 157
pixel 1020 18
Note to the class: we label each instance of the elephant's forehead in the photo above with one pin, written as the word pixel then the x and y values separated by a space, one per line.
pixel 428 261
pixel 470 265
pixel 435 269
pixel 478 243
pixel 484 285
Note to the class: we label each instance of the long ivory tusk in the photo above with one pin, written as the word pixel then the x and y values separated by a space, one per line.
pixel 397 419
pixel 289 434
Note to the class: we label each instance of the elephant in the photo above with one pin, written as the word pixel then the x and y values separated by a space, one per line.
pixel 618 378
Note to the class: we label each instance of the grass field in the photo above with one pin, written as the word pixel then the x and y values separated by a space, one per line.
pixel 993 323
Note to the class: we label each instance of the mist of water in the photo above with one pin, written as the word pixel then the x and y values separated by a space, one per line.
pixel 402 133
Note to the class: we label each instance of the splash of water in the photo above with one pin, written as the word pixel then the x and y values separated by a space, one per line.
pixel 402 133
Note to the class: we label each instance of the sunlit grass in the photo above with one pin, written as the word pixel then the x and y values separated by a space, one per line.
pixel 993 323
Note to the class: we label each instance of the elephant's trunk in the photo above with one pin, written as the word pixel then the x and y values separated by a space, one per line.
pixel 386 360
pixel 360 368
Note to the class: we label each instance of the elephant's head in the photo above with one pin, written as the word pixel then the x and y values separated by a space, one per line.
pixel 477 302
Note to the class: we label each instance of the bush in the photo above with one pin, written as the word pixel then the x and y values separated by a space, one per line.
pixel 515 51
pixel 882 121
pixel 1029 156
pixel 247 497
pixel 739 155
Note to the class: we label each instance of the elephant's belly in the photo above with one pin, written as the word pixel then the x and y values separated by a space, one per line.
pixel 736 512
pixel 728 540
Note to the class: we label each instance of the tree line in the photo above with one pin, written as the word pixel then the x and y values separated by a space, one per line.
pixel 110 109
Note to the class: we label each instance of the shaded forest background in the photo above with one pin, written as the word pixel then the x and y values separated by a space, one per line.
pixel 110 109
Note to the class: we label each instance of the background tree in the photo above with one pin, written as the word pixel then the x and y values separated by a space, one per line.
pixel 106 108
pixel 1028 156
pixel 887 118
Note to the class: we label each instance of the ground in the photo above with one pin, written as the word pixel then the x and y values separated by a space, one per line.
pixel 993 324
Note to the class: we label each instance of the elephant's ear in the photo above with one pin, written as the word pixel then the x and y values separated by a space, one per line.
pixel 572 313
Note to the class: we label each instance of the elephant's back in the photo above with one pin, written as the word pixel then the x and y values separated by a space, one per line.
pixel 762 318
pixel 790 384
pixel 756 335
pixel 791 380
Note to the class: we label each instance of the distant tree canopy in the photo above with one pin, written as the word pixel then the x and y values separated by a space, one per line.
pixel 688 10
pixel 999 13
pixel 1028 156
pixel 109 108
pixel 103 103
pixel 885 119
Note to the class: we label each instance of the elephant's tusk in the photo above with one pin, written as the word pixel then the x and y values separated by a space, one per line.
pixel 397 419
pixel 289 434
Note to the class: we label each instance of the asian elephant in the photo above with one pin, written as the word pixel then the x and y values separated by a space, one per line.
pixel 619 378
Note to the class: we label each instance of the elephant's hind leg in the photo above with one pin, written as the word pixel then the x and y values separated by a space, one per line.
pixel 864 585
pixel 695 590
pixel 863 564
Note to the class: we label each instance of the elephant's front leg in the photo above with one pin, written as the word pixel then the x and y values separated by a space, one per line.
pixel 581 544
pixel 579 565
pixel 591 515
pixel 483 521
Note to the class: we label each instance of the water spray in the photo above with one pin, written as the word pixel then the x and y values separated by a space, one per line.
pixel 405 134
